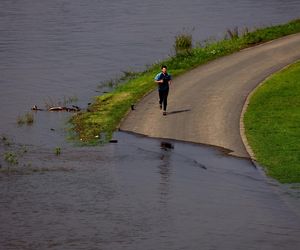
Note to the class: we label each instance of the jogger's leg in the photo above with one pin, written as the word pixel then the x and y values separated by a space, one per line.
pixel 165 99
pixel 161 97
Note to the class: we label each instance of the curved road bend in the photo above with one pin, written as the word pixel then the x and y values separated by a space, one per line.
pixel 205 104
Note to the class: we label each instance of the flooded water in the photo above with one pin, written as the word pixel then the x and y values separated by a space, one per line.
pixel 137 195
pixel 51 50
pixel 132 194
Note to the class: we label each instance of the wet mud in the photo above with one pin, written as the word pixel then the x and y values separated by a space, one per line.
pixel 143 193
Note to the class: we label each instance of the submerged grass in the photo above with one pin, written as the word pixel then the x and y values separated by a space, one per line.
pixel 106 112
pixel 28 119
pixel 272 124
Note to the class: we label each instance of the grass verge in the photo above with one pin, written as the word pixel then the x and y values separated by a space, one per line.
pixel 105 113
pixel 272 124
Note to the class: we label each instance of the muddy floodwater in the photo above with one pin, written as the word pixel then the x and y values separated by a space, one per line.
pixel 136 194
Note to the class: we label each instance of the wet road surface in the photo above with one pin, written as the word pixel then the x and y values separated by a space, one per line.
pixel 136 195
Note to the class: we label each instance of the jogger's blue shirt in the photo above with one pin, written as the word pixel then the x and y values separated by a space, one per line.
pixel 166 77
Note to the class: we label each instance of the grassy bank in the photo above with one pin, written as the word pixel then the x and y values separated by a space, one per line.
pixel 106 112
pixel 272 124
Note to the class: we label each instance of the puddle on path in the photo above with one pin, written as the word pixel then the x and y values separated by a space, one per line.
pixel 136 195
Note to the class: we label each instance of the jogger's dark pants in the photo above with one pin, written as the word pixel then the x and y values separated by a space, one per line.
pixel 163 98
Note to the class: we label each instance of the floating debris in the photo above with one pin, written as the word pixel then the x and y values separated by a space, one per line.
pixel 58 108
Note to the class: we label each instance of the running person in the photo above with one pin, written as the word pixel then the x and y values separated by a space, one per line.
pixel 163 79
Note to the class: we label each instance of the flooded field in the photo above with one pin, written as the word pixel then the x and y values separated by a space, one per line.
pixel 139 193
pixel 142 193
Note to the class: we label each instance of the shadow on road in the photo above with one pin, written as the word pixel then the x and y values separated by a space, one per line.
pixel 178 111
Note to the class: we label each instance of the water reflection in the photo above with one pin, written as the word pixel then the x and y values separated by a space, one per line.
pixel 134 194
pixel 165 171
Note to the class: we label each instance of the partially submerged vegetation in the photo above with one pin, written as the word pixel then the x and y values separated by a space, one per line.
pixel 57 150
pixel 183 43
pixel 272 124
pixel 28 119
pixel 104 115
pixel 14 159
pixel 11 158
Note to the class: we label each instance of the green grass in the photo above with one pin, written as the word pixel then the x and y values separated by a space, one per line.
pixel 272 124
pixel 106 112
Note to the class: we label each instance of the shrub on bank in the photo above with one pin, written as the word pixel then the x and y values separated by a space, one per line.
pixel 183 43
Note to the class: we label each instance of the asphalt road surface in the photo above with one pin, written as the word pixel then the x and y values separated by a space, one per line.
pixel 205 104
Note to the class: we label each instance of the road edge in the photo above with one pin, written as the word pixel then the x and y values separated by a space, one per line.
pixel 244 110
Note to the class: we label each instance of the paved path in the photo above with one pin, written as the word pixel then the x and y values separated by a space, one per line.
pixel 205 104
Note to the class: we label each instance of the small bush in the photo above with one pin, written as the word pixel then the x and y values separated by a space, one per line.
pixel 183 43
